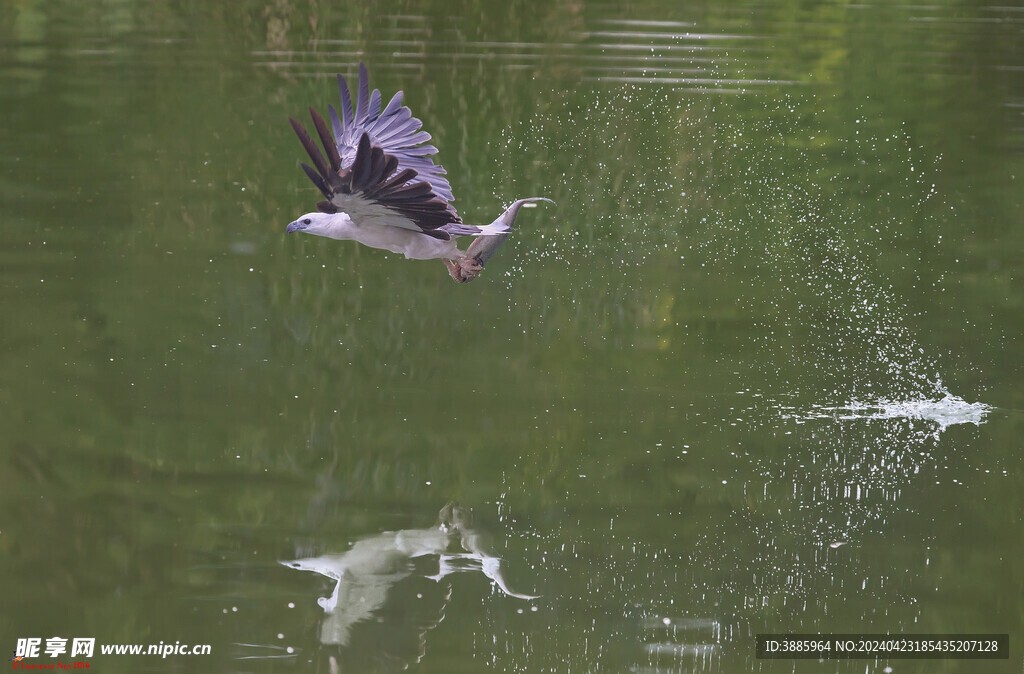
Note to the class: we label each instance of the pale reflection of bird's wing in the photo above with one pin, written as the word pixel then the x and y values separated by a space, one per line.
pixel 356 597
pixel 491 566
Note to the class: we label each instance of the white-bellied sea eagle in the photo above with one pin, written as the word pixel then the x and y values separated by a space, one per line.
pixel 383 189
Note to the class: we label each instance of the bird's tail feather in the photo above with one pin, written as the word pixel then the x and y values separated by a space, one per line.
pixel 458 229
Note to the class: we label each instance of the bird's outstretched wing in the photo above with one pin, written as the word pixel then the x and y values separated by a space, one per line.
pixel 376 166
pixel 394 130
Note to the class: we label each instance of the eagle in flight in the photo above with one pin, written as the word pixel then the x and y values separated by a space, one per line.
pixel 382 188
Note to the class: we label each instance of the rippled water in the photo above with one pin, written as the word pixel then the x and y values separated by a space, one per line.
pixel 758 370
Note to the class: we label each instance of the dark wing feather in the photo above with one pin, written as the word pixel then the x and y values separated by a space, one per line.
pixel 313 151
pixel 380 157
pixel 325 138
pixel 395 181
pixel 361 166
pixel 413 192
pixel 317 180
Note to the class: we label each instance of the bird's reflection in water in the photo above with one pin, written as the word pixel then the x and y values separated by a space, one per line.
pixel 391 589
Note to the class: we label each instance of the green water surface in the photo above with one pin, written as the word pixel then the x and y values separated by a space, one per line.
pixel 759 370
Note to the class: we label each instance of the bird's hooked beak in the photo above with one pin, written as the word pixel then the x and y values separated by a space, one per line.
pixel 296 226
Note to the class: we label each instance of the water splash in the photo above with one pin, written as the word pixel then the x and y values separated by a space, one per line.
pixel 945 411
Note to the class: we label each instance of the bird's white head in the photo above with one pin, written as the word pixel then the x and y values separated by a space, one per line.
pixel 322 224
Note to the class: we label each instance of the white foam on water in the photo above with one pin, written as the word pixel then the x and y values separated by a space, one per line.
pixel 949 410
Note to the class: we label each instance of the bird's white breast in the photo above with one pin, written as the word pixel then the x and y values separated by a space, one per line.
pixel 380 228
